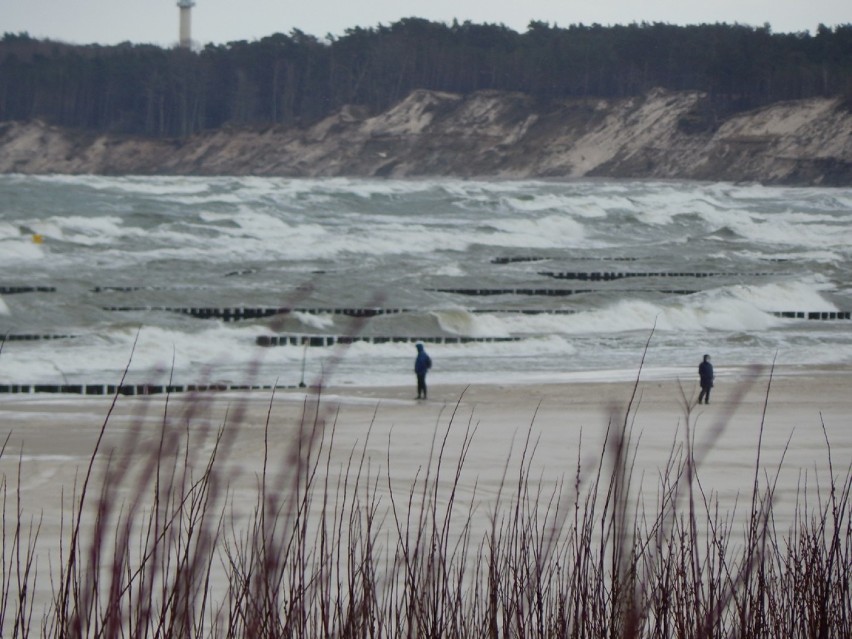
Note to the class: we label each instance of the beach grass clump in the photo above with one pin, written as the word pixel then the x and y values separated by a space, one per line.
pixel 160 544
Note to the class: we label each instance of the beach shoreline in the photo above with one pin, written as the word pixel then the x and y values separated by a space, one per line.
pixel 806 386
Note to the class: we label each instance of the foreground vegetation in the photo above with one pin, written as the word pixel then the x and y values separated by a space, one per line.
pixel 297 78
pixel 320 554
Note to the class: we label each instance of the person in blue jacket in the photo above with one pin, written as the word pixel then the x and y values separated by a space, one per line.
pixel 421 366
pixel 705 376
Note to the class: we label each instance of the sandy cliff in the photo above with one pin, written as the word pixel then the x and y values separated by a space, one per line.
pixel 658 135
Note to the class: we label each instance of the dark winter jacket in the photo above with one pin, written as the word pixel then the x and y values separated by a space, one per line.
pixel 423 362
pixel 705 372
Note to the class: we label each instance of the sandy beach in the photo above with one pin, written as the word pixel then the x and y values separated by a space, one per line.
pixel 54 436
pixel 382 442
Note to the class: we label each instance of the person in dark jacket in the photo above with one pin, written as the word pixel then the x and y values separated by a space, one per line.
pixel 421 366
pixel 706 376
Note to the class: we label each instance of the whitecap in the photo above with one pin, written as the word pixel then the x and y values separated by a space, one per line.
pixel 315 321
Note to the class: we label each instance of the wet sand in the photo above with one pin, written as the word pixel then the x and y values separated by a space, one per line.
pixel 54 436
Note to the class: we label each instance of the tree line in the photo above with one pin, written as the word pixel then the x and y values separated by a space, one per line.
pixel 296 78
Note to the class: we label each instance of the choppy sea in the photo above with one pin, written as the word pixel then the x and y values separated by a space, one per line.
pixel 261 281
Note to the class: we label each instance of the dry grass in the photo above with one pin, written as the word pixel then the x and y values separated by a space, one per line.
pixel 319 554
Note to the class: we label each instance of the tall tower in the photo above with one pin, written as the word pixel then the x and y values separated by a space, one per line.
pixel 185 7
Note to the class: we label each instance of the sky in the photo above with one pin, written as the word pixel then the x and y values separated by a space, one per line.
pixel 221 21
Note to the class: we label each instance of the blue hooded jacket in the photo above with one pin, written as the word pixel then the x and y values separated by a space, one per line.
pixel 423 362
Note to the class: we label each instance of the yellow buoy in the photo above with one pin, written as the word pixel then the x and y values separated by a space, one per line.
pixel 38 238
